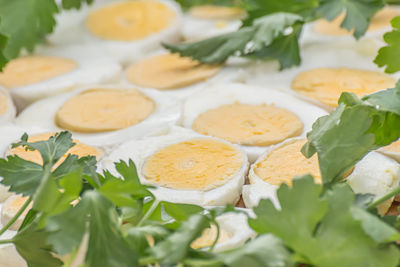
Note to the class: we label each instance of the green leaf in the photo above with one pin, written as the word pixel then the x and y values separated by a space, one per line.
pixel 329 234
pixel 25 22
pixel 263 251
pixel 260 8
pixel 176 246
pixel 358 13
pixel 262 39
pixel 77 4
pixel 352 130
pixel 187 4
pixel 106 247
pixel 137 236
pixel 388 55
pixel 3 44
pixel 181 212
pixel 32 245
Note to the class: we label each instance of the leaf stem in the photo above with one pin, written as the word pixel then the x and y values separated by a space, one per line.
pixel 16 216
pixel 149 212
pixel 384 198
pixel 147 260
pixel 6 241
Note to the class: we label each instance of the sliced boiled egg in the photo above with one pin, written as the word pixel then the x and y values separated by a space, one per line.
pixel 234 231
pixel 126 30
pixel 392 150
pixel 10 207
pixel 104 115
pixel 186 167
pixel 11 134
pixel 180 76
pixel 208 20
pixel 7 108
pixel 281 164
pixel 378 175
pixel 51 71
pixel 252 117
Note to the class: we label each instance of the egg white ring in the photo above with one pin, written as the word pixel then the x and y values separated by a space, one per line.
pixel 195 29
pixel 123 51
pixel 42 113
pixel 375 174
pixel 140 150
pixel 9 114
pixel 224 94
pixel 233 71
pixel 93 67
pixel 257 188
pixel 237 226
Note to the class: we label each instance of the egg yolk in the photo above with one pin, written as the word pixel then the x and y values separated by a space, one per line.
pixel 3 103
pixel 284 163
pixel 34 69
pixel 393 147
pixel 208 237
pixel 216 12
pixel 130 20
pixel 381 20
pixel 198 164
pixel 101 110
pixel 78 149
pixel 326 84
pixel 169 71
pixel 254 125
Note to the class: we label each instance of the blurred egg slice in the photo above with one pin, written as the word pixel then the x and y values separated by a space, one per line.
pixel 186 167
pixel 376 174
pixel 51 71
pixel 281 164
pixel 9 256
pixel 207 21
pixel 126 30
pixel 234 232
pixel 104 115
pixel 252 117
pixel 10 207
pixel 180 76
pixel 392 150
pixel 323 30
pixel 7 108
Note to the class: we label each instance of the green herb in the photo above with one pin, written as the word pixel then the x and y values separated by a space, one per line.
pixel 263 39
pixel 388 56
pixel 187 4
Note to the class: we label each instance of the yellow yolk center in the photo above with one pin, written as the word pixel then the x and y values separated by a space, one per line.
pixel 255 125
pixel 208 237
pixel 169 71
pixel 216 12
pixel 34 69
pixel 284 163
pixel 379 21
pixel 3 103
pixel 130 20
pixel 326 84
pixel 100 110
pixel 200 164
pixel 78 149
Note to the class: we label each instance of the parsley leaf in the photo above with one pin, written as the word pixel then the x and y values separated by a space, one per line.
pixel 358 13
pixel 187 4
pixel 259 40
pixel 25 23
pixel 388 56
pixel 77 4
pixel 329 234
pixel 352 130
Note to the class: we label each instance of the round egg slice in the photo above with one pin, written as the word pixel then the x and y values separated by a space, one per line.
pixel 325 72
pixel 252 117
pixel 324 30
pixel 186 167
pixel 234 231
pixel 126 30
pixel 280 164
pixel 11 134
pixel 180 76
pixel 206 21
pixel 51 71
pixel 376 174
pixel 104 115
pixel 7 108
